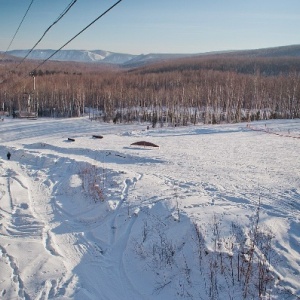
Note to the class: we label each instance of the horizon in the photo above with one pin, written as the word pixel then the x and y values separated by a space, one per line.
pixel 208 52
pixel 136 29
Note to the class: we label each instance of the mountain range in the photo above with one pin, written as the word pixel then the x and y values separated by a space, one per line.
pixel 101 56
pixel 95 56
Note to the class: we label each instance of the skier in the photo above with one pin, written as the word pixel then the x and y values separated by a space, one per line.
pixel 8 155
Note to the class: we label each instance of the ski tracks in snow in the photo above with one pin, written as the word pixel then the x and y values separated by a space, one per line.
pixel 22 225
pixel 89 244
pixel 16 287
pixel 111 262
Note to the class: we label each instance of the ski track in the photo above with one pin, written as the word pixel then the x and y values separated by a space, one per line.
pixel 86 247
pixel 48 244
pixel 9 189
pixel 21 223
pixel 18 285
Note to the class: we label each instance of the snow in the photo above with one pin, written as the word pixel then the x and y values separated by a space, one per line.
pixel 100 219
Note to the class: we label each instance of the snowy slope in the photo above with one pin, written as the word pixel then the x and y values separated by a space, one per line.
pixel 75 55
pixel 100 219
pixel 97 56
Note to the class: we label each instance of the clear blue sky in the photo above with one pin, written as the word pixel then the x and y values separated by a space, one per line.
pixel 153 26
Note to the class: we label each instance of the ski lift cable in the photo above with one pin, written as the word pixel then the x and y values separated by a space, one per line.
pixel 85 28
pixel 13 38
pixel 56 21
pixel 19 27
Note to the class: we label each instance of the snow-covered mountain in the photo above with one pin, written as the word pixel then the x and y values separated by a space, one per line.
pixel 75 55
pixel 96 56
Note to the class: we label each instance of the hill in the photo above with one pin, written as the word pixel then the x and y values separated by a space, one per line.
pixel 130 60
pixel 283 51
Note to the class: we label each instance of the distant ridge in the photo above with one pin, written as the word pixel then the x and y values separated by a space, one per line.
pixel 107 57
pixel 282 51
pixel 75 55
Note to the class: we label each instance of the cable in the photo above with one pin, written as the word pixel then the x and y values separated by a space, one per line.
pixel 56 21
pixel 19 27
pixel 76 35
pixel 4 53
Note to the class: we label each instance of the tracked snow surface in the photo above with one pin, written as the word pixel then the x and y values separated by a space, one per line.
pixel 213 213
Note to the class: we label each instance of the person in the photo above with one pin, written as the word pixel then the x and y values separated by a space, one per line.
pixel 8 155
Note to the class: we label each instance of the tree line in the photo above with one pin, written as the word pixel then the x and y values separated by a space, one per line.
pixel 180 92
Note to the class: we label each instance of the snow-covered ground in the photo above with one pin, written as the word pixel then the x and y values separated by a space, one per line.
pixel 213 213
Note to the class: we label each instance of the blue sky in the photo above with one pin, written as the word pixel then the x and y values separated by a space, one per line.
pixel 157 26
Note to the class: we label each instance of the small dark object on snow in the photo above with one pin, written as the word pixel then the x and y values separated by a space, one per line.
pixel 8 155
pixel 144 143
pixel 98 136
pixel 70 139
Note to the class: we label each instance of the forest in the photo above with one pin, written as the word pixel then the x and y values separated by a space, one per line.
pixel 202 89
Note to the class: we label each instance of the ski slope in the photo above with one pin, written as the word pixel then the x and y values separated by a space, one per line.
pixel 101 219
